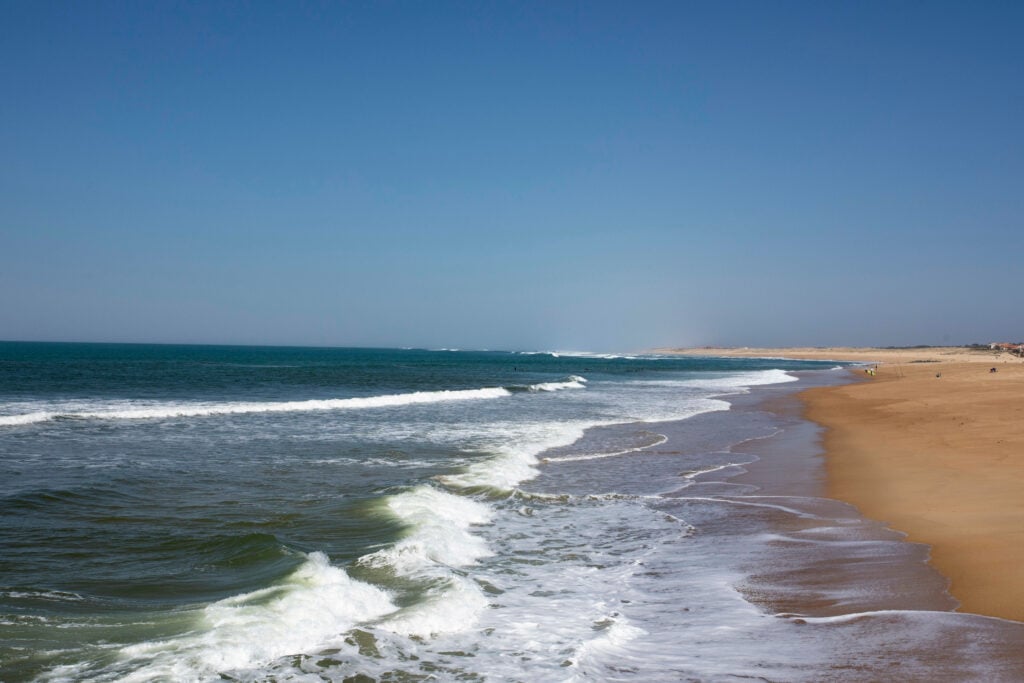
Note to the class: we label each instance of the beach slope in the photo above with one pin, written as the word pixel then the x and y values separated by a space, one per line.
pixel 933 445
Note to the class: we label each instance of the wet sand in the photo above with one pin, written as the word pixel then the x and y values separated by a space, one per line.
pixel 829 560
pixel 933 446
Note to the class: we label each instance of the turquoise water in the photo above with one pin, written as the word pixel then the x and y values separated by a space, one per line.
pixel 200 513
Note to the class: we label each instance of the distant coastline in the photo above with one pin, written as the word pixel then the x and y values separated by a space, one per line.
pixel 864 354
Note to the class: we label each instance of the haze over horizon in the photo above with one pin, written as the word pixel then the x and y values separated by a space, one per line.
pixel 592 176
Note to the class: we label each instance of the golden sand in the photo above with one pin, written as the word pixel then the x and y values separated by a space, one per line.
pixel 932 445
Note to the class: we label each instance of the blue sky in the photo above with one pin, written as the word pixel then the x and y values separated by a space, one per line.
pixel 512 175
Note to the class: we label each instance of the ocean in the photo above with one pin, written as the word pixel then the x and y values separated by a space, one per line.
pixel 202 513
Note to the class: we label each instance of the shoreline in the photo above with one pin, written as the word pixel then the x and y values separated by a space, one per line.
pixel 932 445
pixel 815 565
pixel 857 354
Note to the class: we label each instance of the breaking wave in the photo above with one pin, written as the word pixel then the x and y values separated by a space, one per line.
pixel 131 410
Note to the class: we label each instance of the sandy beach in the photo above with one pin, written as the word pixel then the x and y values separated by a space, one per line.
pixel 932 445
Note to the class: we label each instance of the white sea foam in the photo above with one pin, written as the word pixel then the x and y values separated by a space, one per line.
pixel 316 603
pixel 375 462
pixel 440 532
pixel 516 448
pixel 660 410
pixel 453 607
pixel 738 382
pixel 590 655
pixel 26 418
pixel 597 456
pixel 139 410
pixel 580 354
pixel 571 382
pixel 660 400
pixel 440 538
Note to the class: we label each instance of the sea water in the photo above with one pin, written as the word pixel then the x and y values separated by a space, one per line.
pixel 192 513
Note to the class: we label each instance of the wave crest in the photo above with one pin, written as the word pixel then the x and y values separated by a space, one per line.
pixel 570 382
pixel 315 604
pixel 127 410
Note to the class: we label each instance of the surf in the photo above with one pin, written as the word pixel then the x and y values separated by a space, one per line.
pixel 135 410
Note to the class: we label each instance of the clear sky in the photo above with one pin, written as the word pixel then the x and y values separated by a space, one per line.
pixel 568 175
